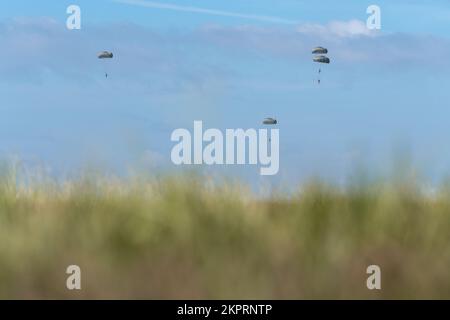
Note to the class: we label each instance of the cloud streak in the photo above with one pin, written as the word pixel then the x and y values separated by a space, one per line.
pixel 338 29
pixel 205 11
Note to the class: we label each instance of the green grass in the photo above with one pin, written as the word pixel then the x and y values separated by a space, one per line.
pixel 183 238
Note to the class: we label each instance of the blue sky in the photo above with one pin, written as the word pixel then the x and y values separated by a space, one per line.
pixel 171 67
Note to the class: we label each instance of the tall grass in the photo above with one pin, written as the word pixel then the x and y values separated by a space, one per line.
pixel 181 237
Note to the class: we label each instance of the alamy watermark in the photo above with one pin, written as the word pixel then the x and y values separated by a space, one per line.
pixel 73 281
pixel 374 280
pixel 374 19
pixel 73 22
pixel 235 146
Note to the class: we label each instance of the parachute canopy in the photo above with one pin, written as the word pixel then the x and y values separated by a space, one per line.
pixel 105 55
pixel 270 121
pixel 320 50
pixel 321 59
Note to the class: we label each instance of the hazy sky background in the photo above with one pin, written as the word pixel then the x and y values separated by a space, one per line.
pixel 383 89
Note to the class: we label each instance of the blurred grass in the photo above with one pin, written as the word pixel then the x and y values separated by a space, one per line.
pixel 187 237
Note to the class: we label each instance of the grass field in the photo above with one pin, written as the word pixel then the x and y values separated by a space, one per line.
pixel 182 237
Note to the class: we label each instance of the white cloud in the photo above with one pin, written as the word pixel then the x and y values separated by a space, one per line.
pixel 340 29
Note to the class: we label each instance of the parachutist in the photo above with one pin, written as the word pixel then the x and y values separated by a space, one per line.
pixel 320 57
pixel 105 55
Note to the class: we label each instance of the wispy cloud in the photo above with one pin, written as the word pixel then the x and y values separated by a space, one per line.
pixel 340 29
pixel 175 7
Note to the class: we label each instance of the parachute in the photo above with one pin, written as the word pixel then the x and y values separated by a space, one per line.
pixel 105 55
pixel 270 121
pixel 320 57
pixel 320 50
